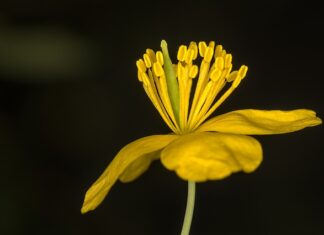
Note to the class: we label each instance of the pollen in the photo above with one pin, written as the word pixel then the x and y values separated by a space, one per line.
pixel 197 99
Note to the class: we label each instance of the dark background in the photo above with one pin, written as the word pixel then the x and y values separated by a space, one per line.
pixel 70 99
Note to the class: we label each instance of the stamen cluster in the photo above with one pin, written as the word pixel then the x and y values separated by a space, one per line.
pixel 214 73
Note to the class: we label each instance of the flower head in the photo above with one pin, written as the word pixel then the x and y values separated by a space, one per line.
pixel 197 150
pixel 214 73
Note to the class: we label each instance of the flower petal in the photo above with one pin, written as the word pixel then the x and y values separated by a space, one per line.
pixel 211 156
pixel 261 122
pixel 138 167
pixel 127 157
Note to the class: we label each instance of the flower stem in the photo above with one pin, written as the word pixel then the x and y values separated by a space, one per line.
pixel 190 208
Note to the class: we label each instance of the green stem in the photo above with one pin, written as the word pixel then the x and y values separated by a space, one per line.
pixel 190 208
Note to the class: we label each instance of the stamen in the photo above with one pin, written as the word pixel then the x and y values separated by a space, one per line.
pixel 147 61
pixel 208 54
pixel 156 88
pixel 151 54
pixel 215 74
pixel 181 72
pixel 217 87
pixel 159 57
pixel 239 76
pixel 193 71
pixel 162 94
pixel 189 56
pixel 201 83
pixel 186 102
pixel 223 53
pixel 242 71
pixel 141 66
pixel 211 44
pixel 216 105
pixel 182 81
pixel 157 69
pixel 160 81
pixel 182 53
pixel 139 76
pixel 166 99
pixel 228 60
pixel 232 76
pixel 193 46
pixel 169 85
pixel 202 48
pixel 157 104
pixel 218 51
pixel 219 63
pixel 201 101
pixel 145 79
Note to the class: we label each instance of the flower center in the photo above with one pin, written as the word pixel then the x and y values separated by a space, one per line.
pixel 169 85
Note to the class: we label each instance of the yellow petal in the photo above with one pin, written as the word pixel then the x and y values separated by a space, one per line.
pixel 127 156
pixel 138 167
pixel 261 122
pixel 211 156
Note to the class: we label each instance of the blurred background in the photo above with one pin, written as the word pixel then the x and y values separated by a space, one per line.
pixel 70 99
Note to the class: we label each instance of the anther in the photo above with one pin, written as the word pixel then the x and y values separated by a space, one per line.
pixel 211 44
pixel 219 63
pixel 147 60
pixel 208 54
pixel 182 53
pixel 193 71
pixel 151 54
pixel 157 69
pixel 223 54
pixel 215 74
pixel 189 56
pixel 228 60
pixel 141 65
pixel 202 48
pixel 232 76
pixel 242 71
pixel 227 71
pixel 218 51
pixel 159 57
pixel 193 46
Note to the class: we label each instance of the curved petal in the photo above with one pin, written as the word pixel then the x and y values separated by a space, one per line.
pixel 127 156
pixel 261 122
pixel 211 156
pixel 138 167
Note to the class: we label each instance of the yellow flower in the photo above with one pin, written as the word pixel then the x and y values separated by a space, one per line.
pixel 197 150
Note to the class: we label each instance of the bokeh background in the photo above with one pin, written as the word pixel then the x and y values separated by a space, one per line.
pixel 70 99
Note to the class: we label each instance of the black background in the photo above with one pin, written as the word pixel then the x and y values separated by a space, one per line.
pixel 70 99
